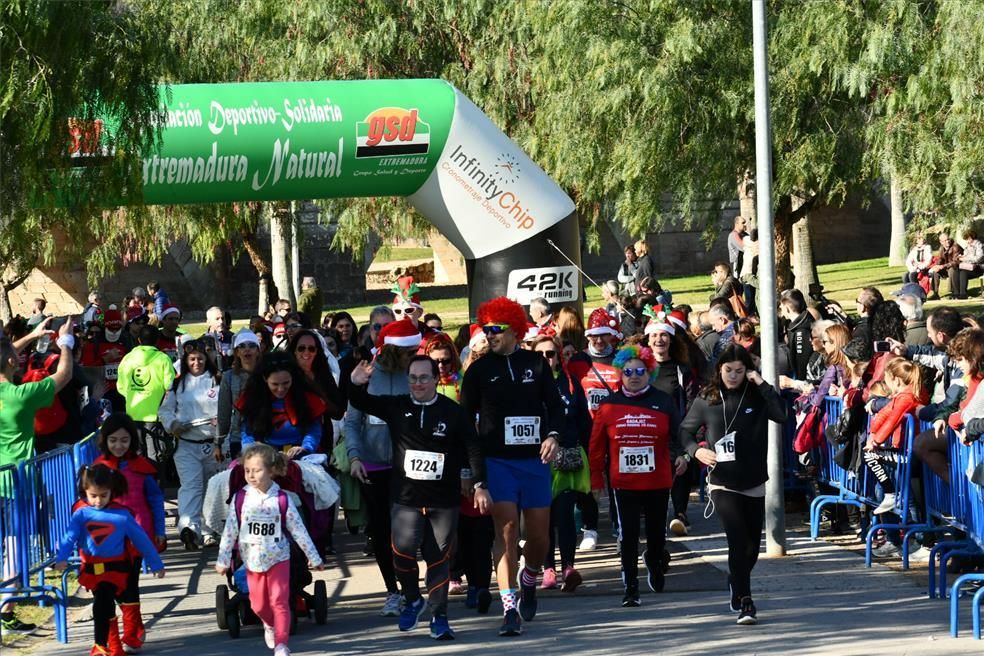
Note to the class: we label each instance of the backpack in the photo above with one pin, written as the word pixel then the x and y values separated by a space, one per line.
pixel 46 420
pixel 281 501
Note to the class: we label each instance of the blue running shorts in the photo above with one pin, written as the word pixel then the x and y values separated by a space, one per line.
pixel 525 482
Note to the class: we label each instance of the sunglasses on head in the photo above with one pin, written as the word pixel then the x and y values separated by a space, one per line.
pixel 301 348
pixel 495 329
pixel 634 371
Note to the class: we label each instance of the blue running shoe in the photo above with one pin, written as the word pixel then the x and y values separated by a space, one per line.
pixel 511 624
pixel 440 629
pixel 411 614
pixel 527 602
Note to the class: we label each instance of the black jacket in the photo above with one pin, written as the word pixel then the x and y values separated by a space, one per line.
pixel 518 385
pixel 749 422
pixel 577 420
pixel 798 335
pixel 442 427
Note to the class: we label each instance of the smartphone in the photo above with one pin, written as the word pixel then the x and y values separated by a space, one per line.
pixel 883 346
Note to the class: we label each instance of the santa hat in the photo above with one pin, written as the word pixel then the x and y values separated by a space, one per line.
pixel 602 323
pixel 135 312
pixel 475 335
pixel 113 319
pixel 658 320
pixel 170 308
pixel 399 333
pixel 679 318
pixel 532 332
pixel 406 292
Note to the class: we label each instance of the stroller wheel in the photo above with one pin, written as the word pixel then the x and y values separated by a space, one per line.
pixel 221 602
pixel 246 614
pixel 232 622
pixel 320 602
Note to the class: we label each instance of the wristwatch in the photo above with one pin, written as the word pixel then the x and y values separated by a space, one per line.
pixel 481 485
pixel 686 456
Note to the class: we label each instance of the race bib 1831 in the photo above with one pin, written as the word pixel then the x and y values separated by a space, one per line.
pixel 423 465
pixel 522 430
pixel 636 460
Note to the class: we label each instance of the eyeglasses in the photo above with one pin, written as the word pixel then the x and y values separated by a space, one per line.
pixel 444 361
pixel 634 371
pixel 549 354
pixel 495 329
pixel 301 348
pixel 420 380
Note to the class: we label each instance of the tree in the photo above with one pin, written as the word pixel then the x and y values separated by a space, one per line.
pixel 64 64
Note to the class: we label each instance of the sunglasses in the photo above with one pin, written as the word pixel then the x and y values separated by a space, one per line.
pixel 634 371
pixel 495 329
pixel 549 354
pixel 302 348
pixel 421 380
pixel 444 361
pixel 398 311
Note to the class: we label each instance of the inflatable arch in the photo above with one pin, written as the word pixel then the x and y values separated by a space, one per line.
pixel 422 139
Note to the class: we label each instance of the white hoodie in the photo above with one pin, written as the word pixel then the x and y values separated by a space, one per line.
pixel 196 400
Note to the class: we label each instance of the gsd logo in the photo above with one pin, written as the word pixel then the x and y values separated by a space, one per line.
pixel 392 131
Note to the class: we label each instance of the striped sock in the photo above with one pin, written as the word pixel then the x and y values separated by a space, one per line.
pixel 508 600
pixel 528 577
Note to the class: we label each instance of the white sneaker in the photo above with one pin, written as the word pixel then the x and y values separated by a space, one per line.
pixel 268 636
pixel 920 555
pixel 392 606
pixel 887 504
pixel 589 542
pixel 887 550
pixel 210 540
pixel 281 650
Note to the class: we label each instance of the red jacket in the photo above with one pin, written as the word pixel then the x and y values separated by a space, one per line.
pixel 889 421
pixel 594 384
pixel 633 440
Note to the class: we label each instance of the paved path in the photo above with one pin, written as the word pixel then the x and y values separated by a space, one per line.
pixel 819 599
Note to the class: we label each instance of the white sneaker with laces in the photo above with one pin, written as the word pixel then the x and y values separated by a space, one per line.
pixel 920 555
pixel 887 550
pixel 210 540
pixel 589 542
pixel 392 606
pixel 281 650
pixel 887 504
pixel 268 636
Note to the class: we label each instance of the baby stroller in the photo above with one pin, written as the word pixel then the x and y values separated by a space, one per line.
pixel 232 609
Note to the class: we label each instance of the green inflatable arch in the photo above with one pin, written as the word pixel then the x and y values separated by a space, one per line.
pixel 422 139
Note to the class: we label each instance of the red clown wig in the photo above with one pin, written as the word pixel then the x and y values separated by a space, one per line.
pixel 504 311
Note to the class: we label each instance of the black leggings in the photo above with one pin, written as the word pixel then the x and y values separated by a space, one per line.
pixel 103 611
pixel 432 531
pixel 630 506
pixel 376 495
pixel 959 279
pixel 563 532
pixel 932 450
pixel 475 538
pixel 589 510
pixel 877 461
pixel 682 485
pixel 741 517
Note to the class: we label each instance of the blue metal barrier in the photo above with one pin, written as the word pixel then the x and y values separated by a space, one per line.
pixel 903 496
pixel 85 451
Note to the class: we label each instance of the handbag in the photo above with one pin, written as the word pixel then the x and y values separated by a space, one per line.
pixel 966 266
pixel 738 305
pixel 568 459
pixel 809 431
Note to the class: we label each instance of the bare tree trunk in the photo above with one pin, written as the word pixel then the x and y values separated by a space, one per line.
pixel 295 253
pixel 782 232
pixel 804 266
pixel 256 257
pixel 897 246
pixel 280 229
pixel 6 314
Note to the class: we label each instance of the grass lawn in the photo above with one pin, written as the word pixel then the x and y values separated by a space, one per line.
pixel 841 283
pixel 399 253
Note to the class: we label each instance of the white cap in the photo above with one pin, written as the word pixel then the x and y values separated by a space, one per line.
pixel 245 336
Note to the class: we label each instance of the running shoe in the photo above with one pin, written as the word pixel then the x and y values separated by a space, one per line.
pixel 211 541
pixel 920 555
pixel 747 616
pixel 392 606
pixel 654 573
pixel 887 550
pixel 484 600
pixel 679 525
pixel 511 624
pixel 411 614
pixel 281 650
pixel 572 579
pixel 527 602
pixel 549 579
pixel 887 504
pixel 455 587
pixel 735 603
pixel 10 625
pixel 268 637
pixel 440 629
pixel 631 598
pixel 589 542
pixel 189 538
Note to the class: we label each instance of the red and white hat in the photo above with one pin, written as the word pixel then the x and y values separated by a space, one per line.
pixel 113 319
pixel 135 312
pixel 399 333
pixel 658 320
pixel 475 335
pixel 280 329
pixel 679 318
pixel 170 308
pixel 602 323
pixel 406 292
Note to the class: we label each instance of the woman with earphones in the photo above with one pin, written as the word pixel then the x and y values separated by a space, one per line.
pixel 735 410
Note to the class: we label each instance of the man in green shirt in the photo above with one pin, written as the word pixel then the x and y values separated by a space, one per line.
pixel 144 376
pixel 18 405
